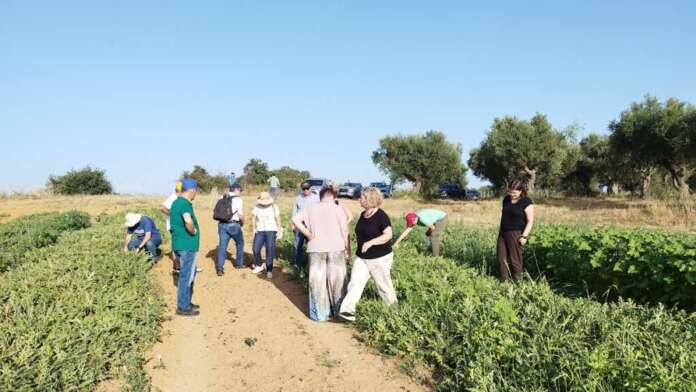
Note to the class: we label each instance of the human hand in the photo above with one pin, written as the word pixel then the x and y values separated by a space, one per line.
pixel 366 246
pixel 522 241
pixel 125 249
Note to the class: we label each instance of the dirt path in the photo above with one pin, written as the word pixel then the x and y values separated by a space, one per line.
pixel 291 352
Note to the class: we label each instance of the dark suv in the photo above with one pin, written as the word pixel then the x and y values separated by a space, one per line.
pixel 384 187
pixel 350 189
pixel 451 191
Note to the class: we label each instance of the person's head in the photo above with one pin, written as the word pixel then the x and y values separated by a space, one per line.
pixel 306 188
pixel 371 197
pixel 236 188
pixel 177 187
pixel 516 189
pixel 264 200
pixel 132 219
pixel 411 219
pixel 189 188
pixel 327 193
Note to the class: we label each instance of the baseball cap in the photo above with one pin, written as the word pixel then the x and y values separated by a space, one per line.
pixel 188 183
pixel 411 219
pixel 305 185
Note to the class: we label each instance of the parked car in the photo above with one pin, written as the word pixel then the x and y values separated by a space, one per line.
pixel 384 187
pixel 317 183
pixel 472 194
pixel 451 191
pixel 350 189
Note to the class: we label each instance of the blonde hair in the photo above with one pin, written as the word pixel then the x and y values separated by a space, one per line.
pixel 373 196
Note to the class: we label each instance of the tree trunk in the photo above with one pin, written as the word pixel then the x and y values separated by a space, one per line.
pixel 644 186
pixel 531 174
pixel 614 188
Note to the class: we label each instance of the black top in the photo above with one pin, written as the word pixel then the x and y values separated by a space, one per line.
pixel 514 218
pixel 368 228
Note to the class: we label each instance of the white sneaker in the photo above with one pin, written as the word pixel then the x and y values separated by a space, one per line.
pixel 258 269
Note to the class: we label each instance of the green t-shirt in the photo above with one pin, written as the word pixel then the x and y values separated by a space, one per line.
pixel 274 181
pixel 181 238
pixel 428 216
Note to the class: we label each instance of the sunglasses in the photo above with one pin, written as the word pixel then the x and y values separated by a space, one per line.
pixel 306 189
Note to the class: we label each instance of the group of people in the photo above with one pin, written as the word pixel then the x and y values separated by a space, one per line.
pixel 322 223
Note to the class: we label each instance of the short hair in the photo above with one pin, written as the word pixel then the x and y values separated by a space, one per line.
pixel 327 189
pixel 373 196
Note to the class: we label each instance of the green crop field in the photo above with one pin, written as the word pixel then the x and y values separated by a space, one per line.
pixel 473 333
pixel 77 312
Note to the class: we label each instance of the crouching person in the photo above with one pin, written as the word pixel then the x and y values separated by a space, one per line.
pixel 374 256
pixel 141 232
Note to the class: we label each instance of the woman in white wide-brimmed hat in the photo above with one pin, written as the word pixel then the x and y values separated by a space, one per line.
pixel 267 228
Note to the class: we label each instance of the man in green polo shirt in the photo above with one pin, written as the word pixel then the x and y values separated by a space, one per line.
pixel 186 238
pixel 435 220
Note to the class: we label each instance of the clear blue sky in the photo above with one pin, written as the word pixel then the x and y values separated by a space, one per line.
pixel 146 89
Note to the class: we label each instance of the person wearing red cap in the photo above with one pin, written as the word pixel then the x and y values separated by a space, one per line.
pixel 435 220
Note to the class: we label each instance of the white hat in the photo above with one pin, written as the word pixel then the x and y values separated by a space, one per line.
pixel 132 219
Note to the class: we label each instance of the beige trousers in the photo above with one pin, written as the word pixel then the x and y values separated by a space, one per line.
pixel 380 270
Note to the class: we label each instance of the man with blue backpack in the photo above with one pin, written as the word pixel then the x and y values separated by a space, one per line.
pixel 229 212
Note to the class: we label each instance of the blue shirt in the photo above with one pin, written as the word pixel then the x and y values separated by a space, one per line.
pixel 303 201
pixel 146 225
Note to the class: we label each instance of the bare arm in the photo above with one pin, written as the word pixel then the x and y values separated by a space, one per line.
pixel 125 244
pixel 164 210
pixel 297 221
pixel 529 212
pixel 386 236
pixel 147 237
pixel 346 237
pixel 188 221
pixel 402 236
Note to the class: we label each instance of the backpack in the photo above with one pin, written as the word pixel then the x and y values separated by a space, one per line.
pixel 223 209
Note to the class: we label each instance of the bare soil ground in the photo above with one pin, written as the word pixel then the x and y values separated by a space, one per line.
pixel 254 334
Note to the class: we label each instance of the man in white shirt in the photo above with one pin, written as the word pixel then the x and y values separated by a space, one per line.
pixel 165 207
pixel 232 230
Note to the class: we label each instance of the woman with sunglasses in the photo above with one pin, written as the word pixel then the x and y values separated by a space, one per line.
pixel 516 223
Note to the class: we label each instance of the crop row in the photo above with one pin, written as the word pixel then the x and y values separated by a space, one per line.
pixel 76 313
pixel 649 266
pixel 35 231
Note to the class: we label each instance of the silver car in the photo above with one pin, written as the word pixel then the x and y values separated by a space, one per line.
pixel 352 190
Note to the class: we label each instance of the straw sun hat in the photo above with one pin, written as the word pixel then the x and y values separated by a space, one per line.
pixel 264 199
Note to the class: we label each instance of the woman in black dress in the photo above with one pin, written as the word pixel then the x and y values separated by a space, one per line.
pixel 515 225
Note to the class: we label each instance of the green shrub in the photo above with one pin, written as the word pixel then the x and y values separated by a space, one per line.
pixel 35 231
pixel 76 313
pixel 86 181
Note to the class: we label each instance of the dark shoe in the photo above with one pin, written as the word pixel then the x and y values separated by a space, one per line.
pixel 220 272
pixel 195 306
pixel 190 312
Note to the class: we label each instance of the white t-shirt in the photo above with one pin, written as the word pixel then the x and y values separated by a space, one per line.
pixel 265 218
pixel 237 206
pixel 168 205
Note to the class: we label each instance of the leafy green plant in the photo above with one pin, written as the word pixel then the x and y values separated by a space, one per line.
pixel 76 313
pixel 35 231
pixel 476 334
